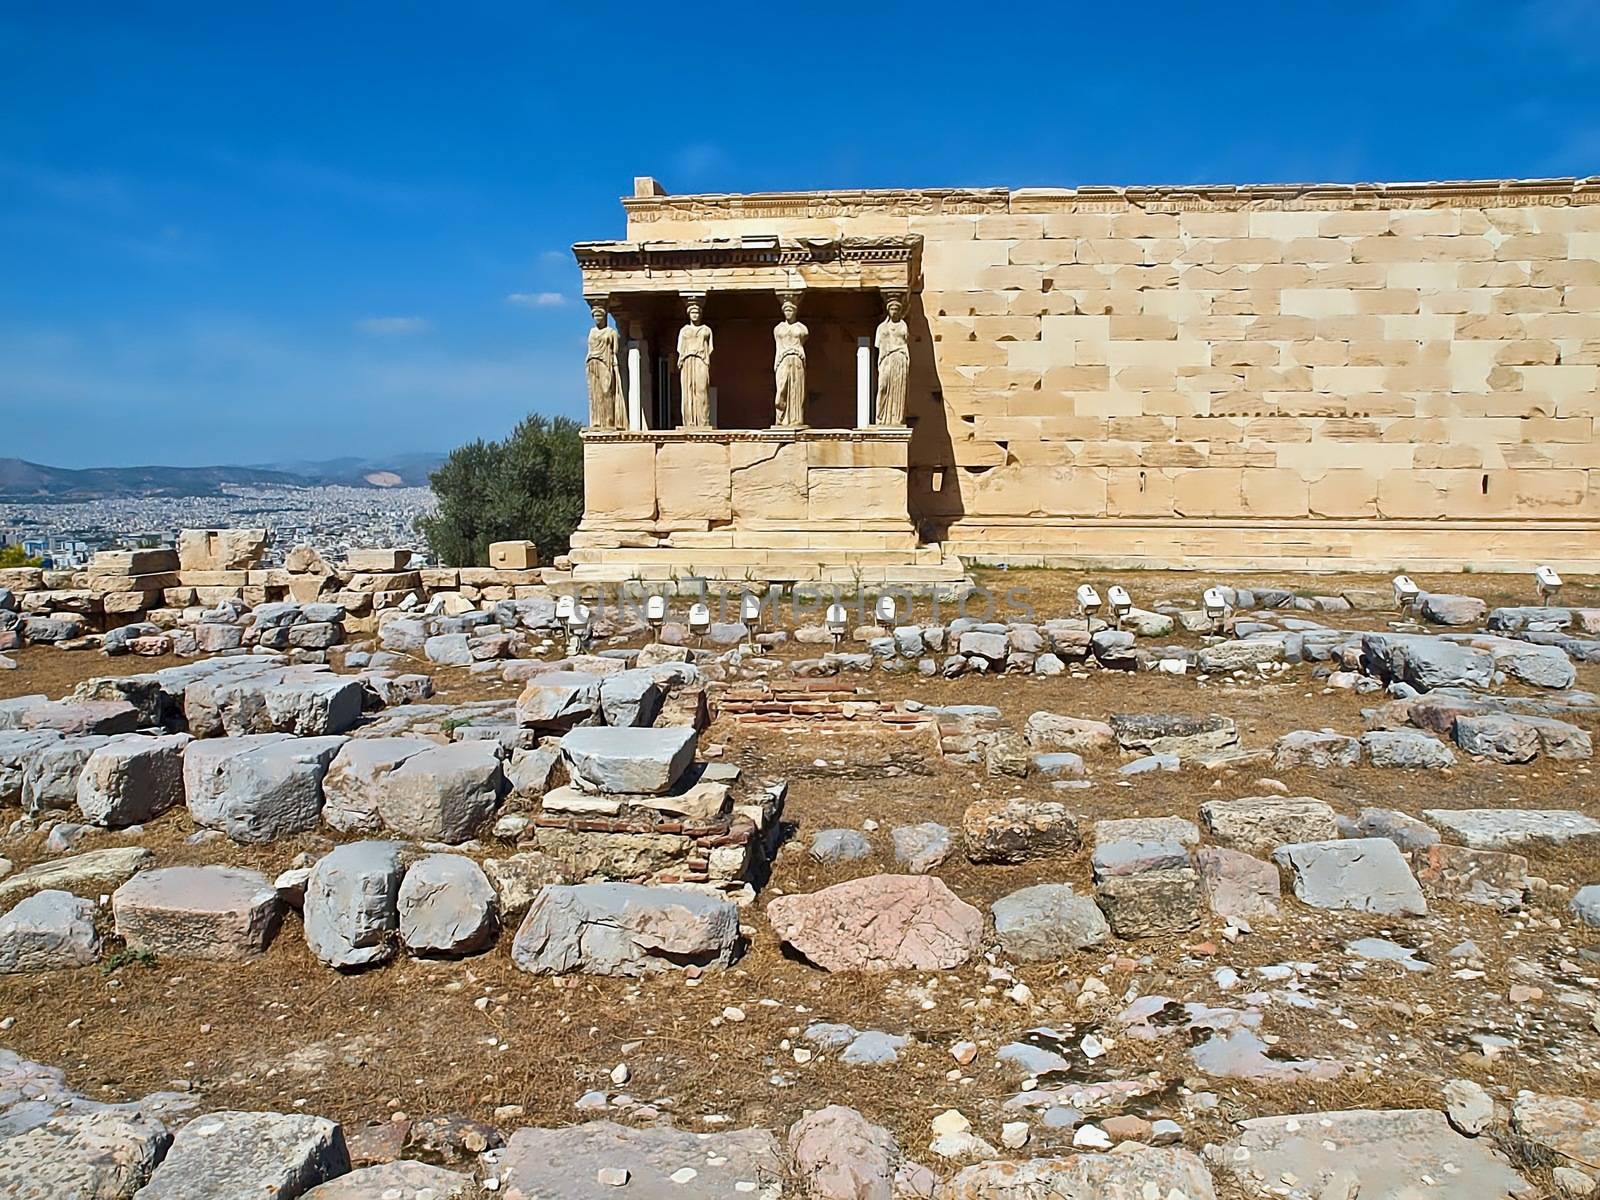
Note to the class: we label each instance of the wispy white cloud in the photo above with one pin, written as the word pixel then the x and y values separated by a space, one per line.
pixel 537 299
pixel 394 326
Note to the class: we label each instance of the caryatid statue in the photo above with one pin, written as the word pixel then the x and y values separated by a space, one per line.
pixel 894 363
pixel 694 369
pixel 607 407
pixel 789 366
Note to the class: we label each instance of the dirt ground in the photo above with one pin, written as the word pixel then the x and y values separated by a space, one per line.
pixel 418 1037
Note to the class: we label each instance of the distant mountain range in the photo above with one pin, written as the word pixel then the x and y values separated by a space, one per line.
pixel 22 480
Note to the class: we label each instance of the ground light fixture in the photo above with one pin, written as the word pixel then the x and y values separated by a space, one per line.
pixel 837 621
pixel 886 611
pixel 1121 603
pixel 1215 606
pixel 577 623
pixel 750 614
pixel 564 607
pixel 1088 602
pixel 655 614
pixel 1406 592
pixel 1548 583
pixel 699 621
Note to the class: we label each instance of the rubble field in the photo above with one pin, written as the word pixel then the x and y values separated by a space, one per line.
pixel 1301 900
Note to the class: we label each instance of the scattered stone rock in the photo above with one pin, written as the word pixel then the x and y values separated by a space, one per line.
pixel 401 1180
pixel 1443 608
pixel 1260 823
pixel 840 845
pixel 1053 732
pixel 1381 1153
pixel 132 778
pixel 49 931
pixel 1510 828
pixel 1364 874
pixel 1182 734
pixel 1151 903
pixel 921 848
pixel 624 929
pixel 92 872
pixel 355 778
pixel 1236 884
pixel 104 1155
pixel 629 761
pixel 1404 831
pixel 351 904
pixel 1468 1106
pixel 1566 1125
pixel 1406 749
pixel 1132 1173
pixel 444 793
pixel 265 1156
pixel 566 1162
pixel 1018 830
pixel 223 913
pixel 1047 922
pixel 260 787
pixel 1316 749
pixel 1471 876
pixel 447 907
pixel 880 922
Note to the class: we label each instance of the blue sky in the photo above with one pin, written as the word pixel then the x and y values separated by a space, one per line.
pixel 241 233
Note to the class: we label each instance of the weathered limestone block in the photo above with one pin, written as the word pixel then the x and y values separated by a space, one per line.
pixel 223 913
pixel 1132 1173
pixel 1364 874
pixel 49 931
pixel 50 773
pixel 1018 830
pixel 624 929
pixel 1472 876
pixel 447 907
pixel 442 794
pixel 1046 922
pixel 628 760
pixel 1051 731
pixel 351 904
pixel 266 1156
pixel 258 788
pixel 1258 823
pixel 1151 903
pixel 92 871
pixel 566 1162
pixel 879 923
pixel 558 700
pixel 1236 884
pixel 132 778
pixel 218 550
pixel 355 779
pixel 106 1155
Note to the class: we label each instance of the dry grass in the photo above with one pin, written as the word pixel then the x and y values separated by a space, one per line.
pixel 285 1031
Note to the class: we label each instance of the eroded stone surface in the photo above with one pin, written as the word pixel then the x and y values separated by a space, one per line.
pixel 351 904
pixel 265 1156
pixel 1386 1152
pixel 223 913
pixel 624 929
pixel 880 922
pixel 1364 874
pixel 537 1164
pixel 106 1155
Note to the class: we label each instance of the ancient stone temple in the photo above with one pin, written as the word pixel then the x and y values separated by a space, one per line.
pixel 880 385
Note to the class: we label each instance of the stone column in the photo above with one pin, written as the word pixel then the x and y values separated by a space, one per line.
pixel 636 361
pixel 640 386
pixel 863 382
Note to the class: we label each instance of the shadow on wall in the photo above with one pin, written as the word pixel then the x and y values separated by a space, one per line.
pixel 935 492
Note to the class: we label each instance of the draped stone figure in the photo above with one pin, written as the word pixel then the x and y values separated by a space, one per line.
pixel 894 364
pixel 789 367
pixel 608 409
pixel 694 369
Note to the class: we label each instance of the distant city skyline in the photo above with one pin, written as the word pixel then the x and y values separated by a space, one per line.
pixel 243 236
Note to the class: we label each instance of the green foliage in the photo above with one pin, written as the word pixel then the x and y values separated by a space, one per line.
pixel 528 486
pixel 13 556
pixel 127 958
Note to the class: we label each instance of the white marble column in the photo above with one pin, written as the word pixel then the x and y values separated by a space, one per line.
pixel 863 383
pixel 638 357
